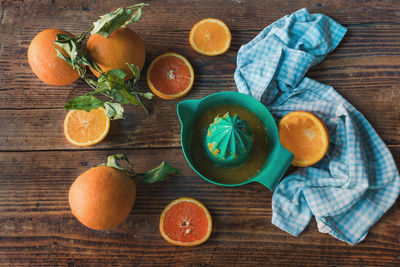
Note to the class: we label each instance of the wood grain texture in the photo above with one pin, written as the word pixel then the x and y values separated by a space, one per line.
pixel 38 165
pixel 42 129
pixel 37 227
pixel 366 63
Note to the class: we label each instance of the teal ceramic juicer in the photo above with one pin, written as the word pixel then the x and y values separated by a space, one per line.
pixel 229 140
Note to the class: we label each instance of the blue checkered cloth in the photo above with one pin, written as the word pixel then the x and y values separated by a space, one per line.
pixel 357 181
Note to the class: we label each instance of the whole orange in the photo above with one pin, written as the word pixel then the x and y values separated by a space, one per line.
pixel 102 197
pixel 121 47
pixel 45 63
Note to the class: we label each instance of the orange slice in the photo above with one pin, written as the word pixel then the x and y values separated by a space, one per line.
pixel 82 128
pixel 170 76
pixel 210 37
pixel 305 135
pixel 185 222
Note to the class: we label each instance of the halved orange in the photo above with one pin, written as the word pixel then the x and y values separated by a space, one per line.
pixel 305 135
pixel 185 222
pixel 210 37
pixel 170 76
pixel 82 128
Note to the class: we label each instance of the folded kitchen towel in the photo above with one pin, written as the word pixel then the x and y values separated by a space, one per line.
pixel 357 181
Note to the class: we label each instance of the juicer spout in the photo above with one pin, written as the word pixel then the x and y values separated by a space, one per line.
pixel 187 110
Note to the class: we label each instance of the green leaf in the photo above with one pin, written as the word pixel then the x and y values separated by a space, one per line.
pixel 121 17
pixel 85 102
pixel 135 70
pixel 114 111
pixel 63 37
pixel 112 161
pixel 110 22
pixel 113 85
pixel 74 48
pixel 135 17
pixel 147 95
pixel 116 75
pixel 92 83
pixel 69 45
pixel 61 55
pixel 124 96
pixel 102 79
pixel 159 173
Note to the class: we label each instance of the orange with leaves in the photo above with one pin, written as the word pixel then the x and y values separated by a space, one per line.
pixel 45 63
pixel 121 47
pixel 102 197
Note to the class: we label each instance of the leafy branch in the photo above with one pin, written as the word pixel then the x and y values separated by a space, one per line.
pixel 111 84
pixel 154 175
pixel 122 17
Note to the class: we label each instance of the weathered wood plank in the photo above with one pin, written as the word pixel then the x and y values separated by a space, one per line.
pixel 42 129
pixel 162 32
pixel 36 225
pixel 354 77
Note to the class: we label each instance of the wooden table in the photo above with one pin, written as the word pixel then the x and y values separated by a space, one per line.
pixel 38 165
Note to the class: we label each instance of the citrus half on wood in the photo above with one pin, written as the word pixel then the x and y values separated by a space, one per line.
pixel 185 222
pixel 82 128
pixel 45 63
pixel 102 197
pixel 170 76
pixel 121 47
pixel 210 37
pixel 305 135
